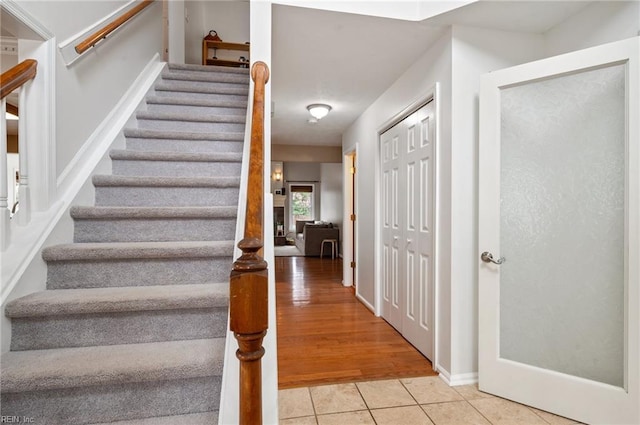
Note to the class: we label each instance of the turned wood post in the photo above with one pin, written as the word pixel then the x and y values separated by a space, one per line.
pixel 249 279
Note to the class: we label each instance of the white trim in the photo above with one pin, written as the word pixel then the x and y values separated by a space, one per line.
pixel 12 7
pixel 366 303
pixel 436 226
pixel 41 132
pixel 459 379
pixel 432 94
pixel 99 141
pixel 347 228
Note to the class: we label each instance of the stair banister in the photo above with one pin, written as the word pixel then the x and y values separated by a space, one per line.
pixel 15 78
pixel 103 32
pixel 248 303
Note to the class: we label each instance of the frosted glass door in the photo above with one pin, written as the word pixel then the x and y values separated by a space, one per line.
pixel 562 224
pixel 559 234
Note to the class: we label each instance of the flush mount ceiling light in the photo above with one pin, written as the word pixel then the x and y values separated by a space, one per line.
pixel 10 116
pixel 318 110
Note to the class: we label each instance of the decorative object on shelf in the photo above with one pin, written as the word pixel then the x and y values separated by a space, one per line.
pixel 208 44
pixel 213 36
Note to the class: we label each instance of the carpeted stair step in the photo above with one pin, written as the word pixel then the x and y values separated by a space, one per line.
pixel 206 81
pixel 202 122
pixel 175 164
pixel 96 265
pixel 195 106
pixel 206 418
pixel 176 141
pixel 110 316
pixel 206 68
pixel 153 224
pixel 196 90
pixel 166 191
pixel 113 383
pixel 210 77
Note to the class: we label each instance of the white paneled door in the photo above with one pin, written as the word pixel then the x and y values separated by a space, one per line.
pixel 559 234
pixel 407 204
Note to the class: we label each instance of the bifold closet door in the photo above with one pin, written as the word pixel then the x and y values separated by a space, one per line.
pixel 407 156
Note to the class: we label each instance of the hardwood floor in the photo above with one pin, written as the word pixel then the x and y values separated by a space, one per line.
pixel 325 335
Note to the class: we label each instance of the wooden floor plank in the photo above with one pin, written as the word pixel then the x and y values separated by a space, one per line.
pixel 325 335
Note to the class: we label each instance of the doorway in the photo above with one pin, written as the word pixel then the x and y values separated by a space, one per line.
pixel 407 228
pixel 349 234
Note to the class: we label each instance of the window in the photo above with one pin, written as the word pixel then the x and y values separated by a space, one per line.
pixel 301 207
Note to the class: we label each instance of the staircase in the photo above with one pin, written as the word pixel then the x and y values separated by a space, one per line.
pixel 131 328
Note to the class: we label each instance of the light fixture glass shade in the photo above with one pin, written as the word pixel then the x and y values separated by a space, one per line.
pixel 277 176
pixel 10 116
pixel 318 110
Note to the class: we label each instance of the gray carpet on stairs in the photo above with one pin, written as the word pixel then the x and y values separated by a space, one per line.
pixel 131 328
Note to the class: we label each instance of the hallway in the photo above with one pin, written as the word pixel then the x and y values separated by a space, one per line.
pixel 326 336
pixel 339 364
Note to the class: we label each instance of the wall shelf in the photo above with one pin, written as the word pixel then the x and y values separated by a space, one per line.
pixel 208 59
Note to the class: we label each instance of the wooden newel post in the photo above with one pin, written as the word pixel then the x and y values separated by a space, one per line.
pixel 249 323
pixel 249 277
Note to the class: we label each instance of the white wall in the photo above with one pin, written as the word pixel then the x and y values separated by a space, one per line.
pixel 411 10
pixel 195 30
pixel 230 19
pixel 89 89
pixel 475 52
pixel 598 23
pixel 177 31
pixel 331 195
pixel 7 62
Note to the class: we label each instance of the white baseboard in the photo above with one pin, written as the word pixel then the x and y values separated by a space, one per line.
pixel 366 303
pixel 459 379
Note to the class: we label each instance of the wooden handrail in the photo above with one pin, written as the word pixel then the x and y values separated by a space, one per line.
pixel 248 305
pixel 17 76
pixel 103 32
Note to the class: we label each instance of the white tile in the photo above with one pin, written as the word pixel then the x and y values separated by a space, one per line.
pixel 336 398
pixel 380 394
pixel 294 403
pixel 407 415
pixel 430 389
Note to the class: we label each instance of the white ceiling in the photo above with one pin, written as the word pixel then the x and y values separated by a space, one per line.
pixel 344 60
pixel 349 60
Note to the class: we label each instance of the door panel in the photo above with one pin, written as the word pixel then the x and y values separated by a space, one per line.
pixel 392 270
pixel 562 224
pixel 559 203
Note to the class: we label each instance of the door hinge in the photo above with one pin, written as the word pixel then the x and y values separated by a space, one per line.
pixel 353 217
pixel 353 170
pixel 353 264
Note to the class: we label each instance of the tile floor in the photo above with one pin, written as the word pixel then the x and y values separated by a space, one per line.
pixel 411 401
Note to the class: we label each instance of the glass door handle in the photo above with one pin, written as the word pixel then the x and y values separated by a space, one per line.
pixel 487 257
